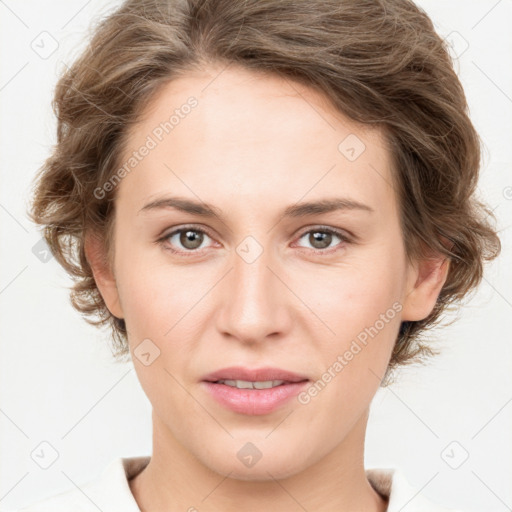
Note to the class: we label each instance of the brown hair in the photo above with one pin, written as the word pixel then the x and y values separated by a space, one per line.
pixel 379 62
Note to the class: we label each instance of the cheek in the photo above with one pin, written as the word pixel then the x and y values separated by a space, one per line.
pixel 359 308
pixel 351 297
pixel 363 311
pixel 159 312
pixel 154 292
pixel 141 295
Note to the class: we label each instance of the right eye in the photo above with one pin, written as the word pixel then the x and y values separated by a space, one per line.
pixel 189 237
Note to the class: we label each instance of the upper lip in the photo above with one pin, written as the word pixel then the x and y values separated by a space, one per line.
pixel 254 374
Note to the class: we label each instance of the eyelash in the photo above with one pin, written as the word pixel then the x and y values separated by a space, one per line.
pixel 321 229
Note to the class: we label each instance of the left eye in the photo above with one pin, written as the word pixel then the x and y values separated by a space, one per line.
pixel 322 238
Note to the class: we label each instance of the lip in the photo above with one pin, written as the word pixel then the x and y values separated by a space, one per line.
pixel 253 402
pixel 254 374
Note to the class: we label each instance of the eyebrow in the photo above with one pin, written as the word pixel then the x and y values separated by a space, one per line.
pixel 294 211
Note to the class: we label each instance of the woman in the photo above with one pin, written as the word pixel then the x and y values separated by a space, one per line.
pixel 269 203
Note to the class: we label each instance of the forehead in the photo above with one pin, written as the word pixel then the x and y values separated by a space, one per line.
pixel 235 135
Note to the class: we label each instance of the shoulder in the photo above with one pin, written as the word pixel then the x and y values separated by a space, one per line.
pixel 392 483
pixel 69 500
pixel 108 492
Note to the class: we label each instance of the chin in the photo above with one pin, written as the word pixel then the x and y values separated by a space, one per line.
pixel 267 463
pixel 261 472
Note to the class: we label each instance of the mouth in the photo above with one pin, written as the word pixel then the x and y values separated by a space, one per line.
pixel 253 392
pixel 262 384
pixel 257 378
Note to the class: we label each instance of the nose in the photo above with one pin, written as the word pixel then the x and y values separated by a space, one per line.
pixel 255 302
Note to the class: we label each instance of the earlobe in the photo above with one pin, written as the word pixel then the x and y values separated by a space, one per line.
pixel 103 274
pixel 428 278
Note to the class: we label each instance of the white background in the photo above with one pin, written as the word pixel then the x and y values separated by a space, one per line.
pixel 58 382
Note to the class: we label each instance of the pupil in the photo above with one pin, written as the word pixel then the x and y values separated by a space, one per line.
pixel 190 239
pixel 323 238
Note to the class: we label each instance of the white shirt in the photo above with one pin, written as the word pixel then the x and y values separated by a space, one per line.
pixel 110 491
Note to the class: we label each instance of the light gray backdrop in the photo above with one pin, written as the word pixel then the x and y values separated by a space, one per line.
pixel 447 426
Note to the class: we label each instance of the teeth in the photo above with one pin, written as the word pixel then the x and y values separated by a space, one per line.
pixel 244 384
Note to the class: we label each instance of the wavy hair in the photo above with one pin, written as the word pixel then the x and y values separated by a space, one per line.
pixel 380 63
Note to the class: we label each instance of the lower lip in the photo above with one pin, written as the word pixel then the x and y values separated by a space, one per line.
pixel 254 401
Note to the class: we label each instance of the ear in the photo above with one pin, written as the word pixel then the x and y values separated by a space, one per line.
pixel 425 281
pixel 103 274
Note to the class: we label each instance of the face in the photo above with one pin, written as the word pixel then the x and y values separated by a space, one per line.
pixel 263 282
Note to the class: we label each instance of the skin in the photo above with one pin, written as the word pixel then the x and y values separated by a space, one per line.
pixel 254 145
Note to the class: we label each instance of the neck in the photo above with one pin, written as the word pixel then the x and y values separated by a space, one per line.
pixel 175 480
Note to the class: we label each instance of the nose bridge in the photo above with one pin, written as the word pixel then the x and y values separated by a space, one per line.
pixel 253 307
